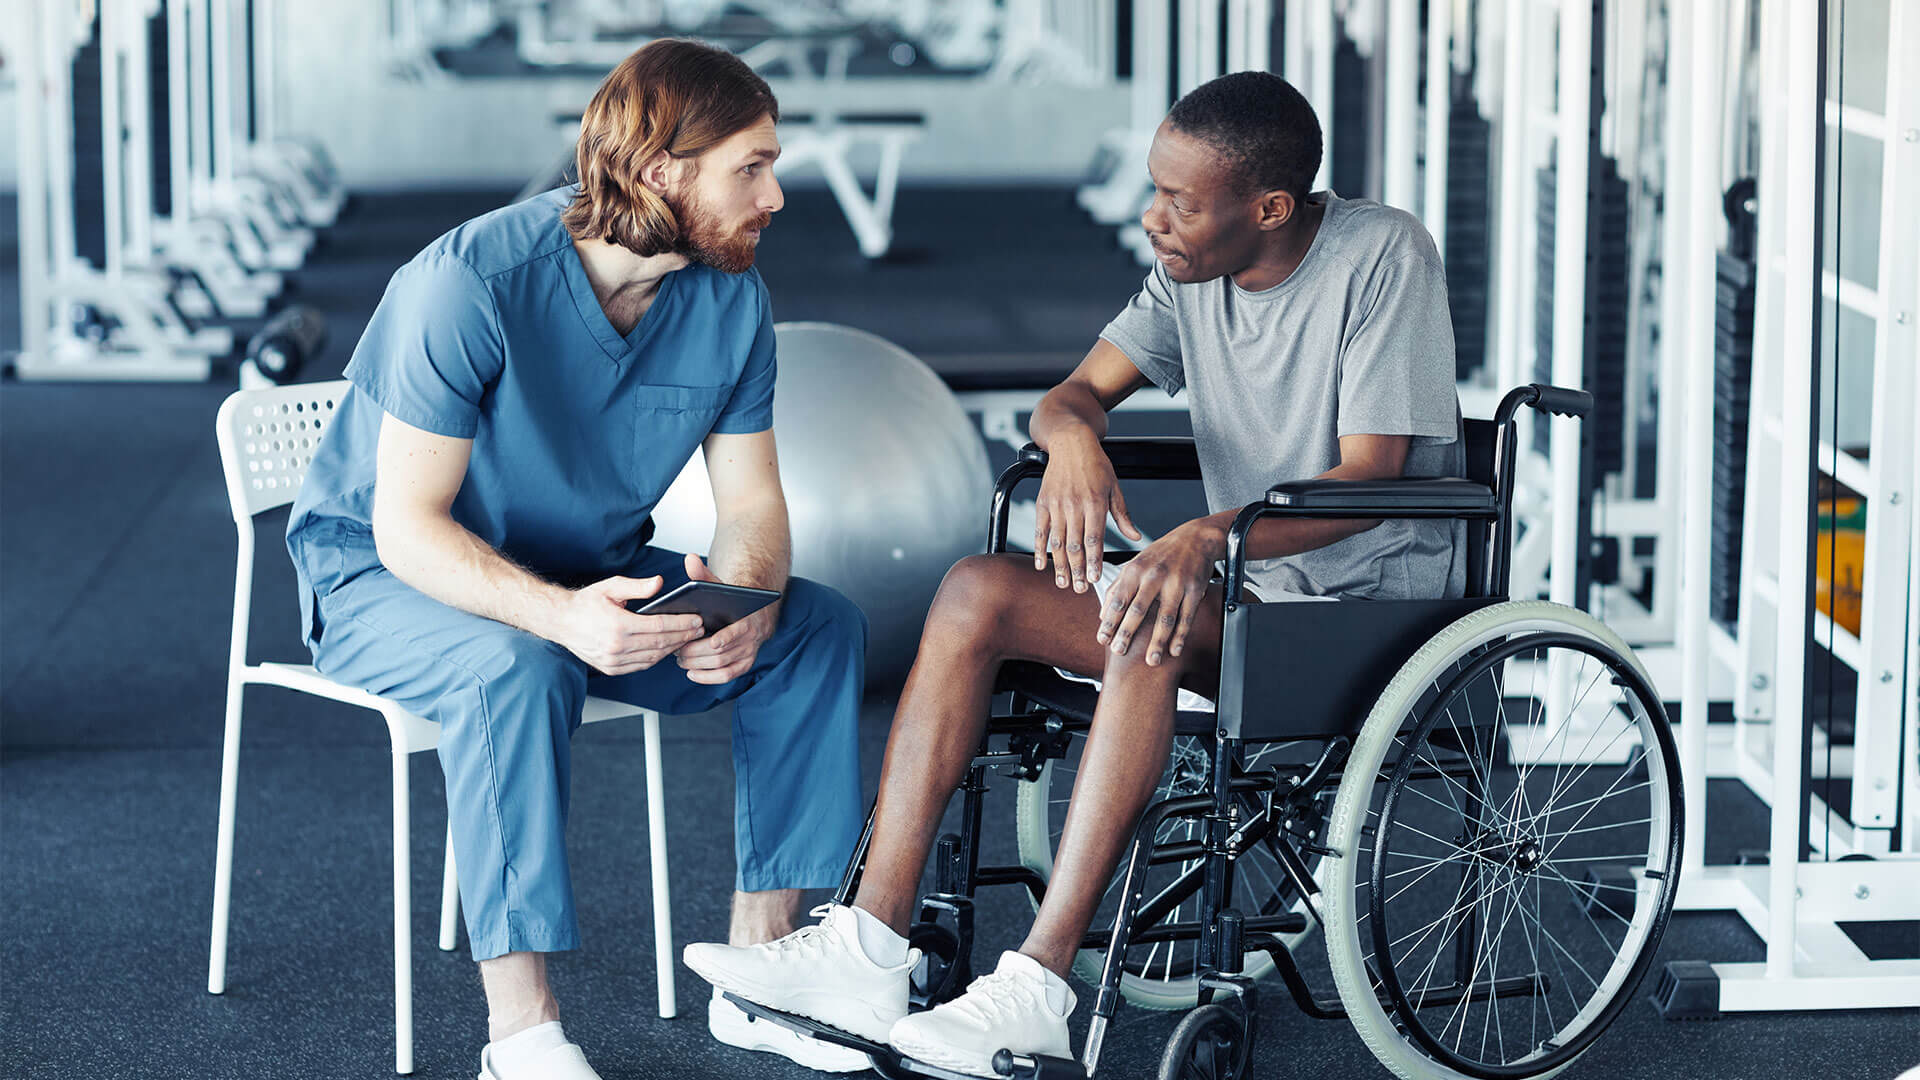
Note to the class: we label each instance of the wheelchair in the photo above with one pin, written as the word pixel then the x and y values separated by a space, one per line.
pixel 1487 849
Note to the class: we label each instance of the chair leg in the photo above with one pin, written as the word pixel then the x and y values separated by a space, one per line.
pixel 449 900
pixel 223 848
pixel 657 847
pixel 402 933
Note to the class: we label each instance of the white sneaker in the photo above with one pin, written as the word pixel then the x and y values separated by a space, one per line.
pixel 734 1026
pixel 1021 1007
pixel 560 1063
pixel 819 972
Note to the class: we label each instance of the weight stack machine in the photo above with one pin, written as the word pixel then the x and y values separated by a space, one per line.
pixel 1469 254
pixel 1733 293
pixel 1603 434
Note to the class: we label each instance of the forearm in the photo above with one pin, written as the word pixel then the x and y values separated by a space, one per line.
pixel 752 545
pixel 1069 411
pixel 1274 537
pixel 436 555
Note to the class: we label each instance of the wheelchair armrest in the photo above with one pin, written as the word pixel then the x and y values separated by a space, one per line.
pixel 1141 457
pixel 1440 497
pixel 1443 497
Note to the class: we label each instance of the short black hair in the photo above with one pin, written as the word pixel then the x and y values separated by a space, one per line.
pixel 1260 125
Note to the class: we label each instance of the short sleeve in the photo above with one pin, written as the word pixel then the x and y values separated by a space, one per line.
pixel 1148 332
pixel 432 348
pixel 1396 366
pixel 750 409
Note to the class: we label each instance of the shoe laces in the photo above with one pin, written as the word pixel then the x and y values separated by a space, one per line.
pixel 808 941
pixel 999 996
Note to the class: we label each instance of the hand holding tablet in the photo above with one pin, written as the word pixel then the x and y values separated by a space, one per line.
pixel 717 604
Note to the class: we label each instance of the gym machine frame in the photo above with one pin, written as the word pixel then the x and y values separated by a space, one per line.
pixel 1868 867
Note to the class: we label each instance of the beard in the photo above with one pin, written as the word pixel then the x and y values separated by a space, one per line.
pixel 704 238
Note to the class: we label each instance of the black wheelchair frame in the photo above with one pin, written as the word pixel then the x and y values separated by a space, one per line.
pixel 1352 648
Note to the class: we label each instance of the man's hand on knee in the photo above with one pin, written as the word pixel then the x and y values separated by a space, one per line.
pixel 1167 581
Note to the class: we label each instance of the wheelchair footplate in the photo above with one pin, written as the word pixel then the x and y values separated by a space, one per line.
pixel 893 1065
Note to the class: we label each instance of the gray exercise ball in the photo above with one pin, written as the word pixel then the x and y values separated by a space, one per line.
pixel 886 480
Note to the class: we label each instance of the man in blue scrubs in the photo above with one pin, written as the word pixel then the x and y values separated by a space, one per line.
pixel 476 520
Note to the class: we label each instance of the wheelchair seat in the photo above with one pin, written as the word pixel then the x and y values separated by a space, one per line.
pixel 1072 700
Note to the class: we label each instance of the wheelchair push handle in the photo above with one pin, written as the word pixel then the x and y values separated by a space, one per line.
pixel 1549 399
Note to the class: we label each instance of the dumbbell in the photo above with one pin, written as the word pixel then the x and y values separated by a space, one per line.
pixel 288 342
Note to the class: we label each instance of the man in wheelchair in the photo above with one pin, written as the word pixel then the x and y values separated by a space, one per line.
pixel 1313 334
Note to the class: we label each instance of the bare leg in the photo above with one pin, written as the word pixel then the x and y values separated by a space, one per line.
pixel 1125 756
pixel 763 916
pixel 517 993
pixel 989 608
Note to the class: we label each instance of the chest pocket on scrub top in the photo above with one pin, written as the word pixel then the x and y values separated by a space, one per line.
pixel 670 422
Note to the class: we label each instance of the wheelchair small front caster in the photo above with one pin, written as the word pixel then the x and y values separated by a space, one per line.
pixel 1213 1042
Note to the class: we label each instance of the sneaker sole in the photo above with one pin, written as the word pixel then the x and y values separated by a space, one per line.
pixel 746 1032
pixel 854 1017
pixel 804 1058
pixel 940 1057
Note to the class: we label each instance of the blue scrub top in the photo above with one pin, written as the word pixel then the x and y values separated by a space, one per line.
pixel 493 334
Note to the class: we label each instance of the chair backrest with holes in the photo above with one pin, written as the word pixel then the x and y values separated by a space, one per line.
pixel 268 438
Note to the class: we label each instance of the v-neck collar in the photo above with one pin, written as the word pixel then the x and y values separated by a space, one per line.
pixel 619 349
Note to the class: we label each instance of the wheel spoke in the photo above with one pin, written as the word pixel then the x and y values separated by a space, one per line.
pixel 1535 1000
pixel 1583 802
pixel 1582 900
pixel 1626 769
pixel 1547 936
pixel 1588 812
pixel 1598 828
pixel 1423 874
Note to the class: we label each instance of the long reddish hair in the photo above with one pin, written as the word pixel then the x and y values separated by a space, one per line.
pixel 671 95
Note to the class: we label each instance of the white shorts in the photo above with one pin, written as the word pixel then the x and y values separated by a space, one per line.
pixel 1186 700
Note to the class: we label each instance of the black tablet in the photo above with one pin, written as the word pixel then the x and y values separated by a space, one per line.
pixel 717 604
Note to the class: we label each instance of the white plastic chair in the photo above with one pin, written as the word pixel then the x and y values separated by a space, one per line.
pixel 267 438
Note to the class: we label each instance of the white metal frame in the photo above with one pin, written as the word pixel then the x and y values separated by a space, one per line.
pixel 1795 906
pixel 267 439
pixel 203 243
pixel 149 340
pixel 830 145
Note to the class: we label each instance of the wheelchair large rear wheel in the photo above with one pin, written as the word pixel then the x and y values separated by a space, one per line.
pixel 1508 840
pixel 1164 975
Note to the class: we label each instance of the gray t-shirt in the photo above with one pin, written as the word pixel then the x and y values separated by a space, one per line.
pixel 1356 341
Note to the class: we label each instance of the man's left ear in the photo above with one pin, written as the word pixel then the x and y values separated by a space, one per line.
pixel 658 173
pixel 1276 209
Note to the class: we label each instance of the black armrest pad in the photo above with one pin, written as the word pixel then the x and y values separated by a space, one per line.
pixel 1389 497
pixel 1140 456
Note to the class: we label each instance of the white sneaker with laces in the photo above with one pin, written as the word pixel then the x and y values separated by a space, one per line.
pixel 1021 1007
pixel 819 972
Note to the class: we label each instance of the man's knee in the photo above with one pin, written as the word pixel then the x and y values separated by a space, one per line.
pixel 528 680
pixel 972 598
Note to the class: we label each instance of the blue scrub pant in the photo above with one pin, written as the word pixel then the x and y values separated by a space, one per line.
pixel 508 701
